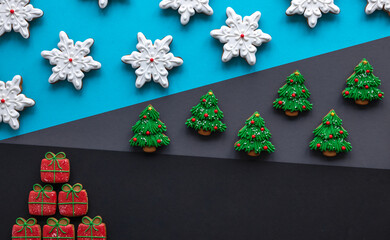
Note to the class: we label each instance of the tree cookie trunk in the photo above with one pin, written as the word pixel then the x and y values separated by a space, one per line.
pixel 149 149
pixel 361 102
pixel 253 154
pixel 329 153
pixel 204 133
pixel 291 114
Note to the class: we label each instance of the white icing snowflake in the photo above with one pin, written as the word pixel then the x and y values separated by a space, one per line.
pixel 71 60
pixel 373 5
pixel 14 14
pixel 241 37
pixel 312 9
pixel 11 101
pixel 187 8
pixel 103 3
pixel 152 60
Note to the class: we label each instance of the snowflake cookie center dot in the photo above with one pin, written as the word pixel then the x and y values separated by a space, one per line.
pixel 2 100
pixel 70 59
pixel 242 35
pixel 12 11
pixel 151 59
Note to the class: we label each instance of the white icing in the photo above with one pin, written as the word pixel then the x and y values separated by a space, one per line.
pixel 103 3
pixel 152 60
pixel 312 9
pixel 241 37
pixel 373 5
pixel 18 20
pixel 71 60
pixel 187 8
pixel 11 101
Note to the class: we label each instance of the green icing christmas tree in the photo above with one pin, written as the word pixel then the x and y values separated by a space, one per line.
pixel 330 136
pixel 362 85
pixel 206 116
pixel 293 96
pixel 149 131
pixel 254 137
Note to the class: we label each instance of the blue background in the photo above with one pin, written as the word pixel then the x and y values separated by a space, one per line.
pixel 115 28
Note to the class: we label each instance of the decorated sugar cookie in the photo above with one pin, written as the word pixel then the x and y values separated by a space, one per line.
pixel 42 200
pixel 11 101
pixel 254 137
pixel 373 5
pixel 149 131
pixel 241 36
pixel 91 228
pixel 58 229
pixel 15 14
pixel 362 85
pixel 71 60
pixel 206 116
pixel 55 168
pixel 187 9
pixel 103 3
pixel 152 61
pixel 293 96
pixel 312 9
pixel 26 229
pixel 73 200
pixel 330 136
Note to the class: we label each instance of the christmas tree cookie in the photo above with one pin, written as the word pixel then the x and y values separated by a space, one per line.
pixel 293 96
pixel 330 136
pixel 362 85
pixel 254 137
pixel 206 116
pixel 149 131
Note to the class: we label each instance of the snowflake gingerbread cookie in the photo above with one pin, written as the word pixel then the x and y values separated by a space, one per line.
pixel 15 14
pixel 187 8
pixel 152 61
pixel 11 101
pixel 373 5
pixel 71 60
pixel 241 36
pixel 103 3
pixel 312 9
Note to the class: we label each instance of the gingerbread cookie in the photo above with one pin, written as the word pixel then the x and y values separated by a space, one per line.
pixel 187 9
pixel 330 136
pixel 373 5
pixel 206 116
pixel 12 101
pixel 26 229
pixel 58 229
pixel 152 61
pixel 71 60
pixel 73 200
pixel 15 14
pixel 241 36
pixel 312 9
pixel 91 229
pixel 42 200
pixel 55 168
pixel 254 137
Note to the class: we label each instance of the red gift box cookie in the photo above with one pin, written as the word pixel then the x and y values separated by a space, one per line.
pixel 26 229
pixel 42 201
pixel 73 200
pixel 55 168
pixel 58 229
pixel 92 229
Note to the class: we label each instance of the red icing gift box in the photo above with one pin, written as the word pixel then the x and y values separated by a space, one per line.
pixel 42 201
pixel 26 229
pixel 58 229
pixel 55 168
pixel 92 229
pixel 73 200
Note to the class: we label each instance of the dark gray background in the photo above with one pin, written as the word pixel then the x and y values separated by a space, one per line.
pixel 239 98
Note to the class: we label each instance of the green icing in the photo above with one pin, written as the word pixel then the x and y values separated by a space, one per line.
pixel 254 126
pixel 330 137
pixel 363 84
pixel 286 98
pixel 150 123
pixel 208 105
